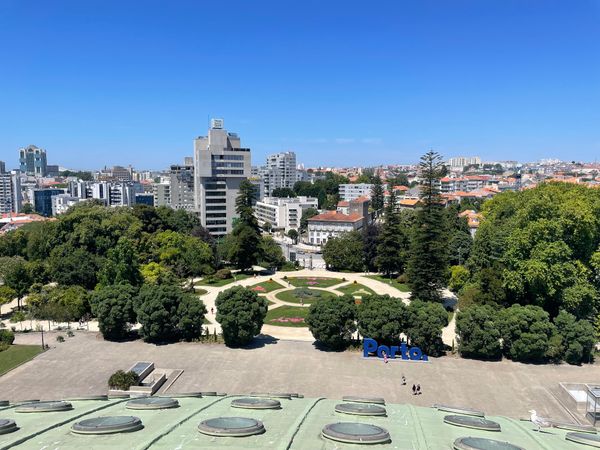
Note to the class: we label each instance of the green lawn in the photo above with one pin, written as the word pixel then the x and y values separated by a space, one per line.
pixel 17 354
pixel 199 291
pixel 402 287
pixel 287 316
pixel 219 283
pixel 293 297
pixel 357 290
pixel 321 282
pixel 265 286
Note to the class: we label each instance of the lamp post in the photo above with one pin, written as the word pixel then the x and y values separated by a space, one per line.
pixel 43 346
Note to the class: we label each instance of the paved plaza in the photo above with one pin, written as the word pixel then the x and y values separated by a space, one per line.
pixel 82 365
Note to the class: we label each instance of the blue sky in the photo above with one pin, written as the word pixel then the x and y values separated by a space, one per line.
pixel 339 82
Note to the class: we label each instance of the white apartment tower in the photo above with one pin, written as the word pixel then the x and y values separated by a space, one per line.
pixel 220 165
pixel 280 172
pixel 10 192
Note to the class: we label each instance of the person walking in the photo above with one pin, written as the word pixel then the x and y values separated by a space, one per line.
pixel 212 310
pixel 403 380
pixel 414 390
pixel 418 389
pixel 385 358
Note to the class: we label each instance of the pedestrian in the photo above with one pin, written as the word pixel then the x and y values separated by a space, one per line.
pixel 418 389
pixel 212 310
pixel 403 380
pixel 414 390
pixel 385 358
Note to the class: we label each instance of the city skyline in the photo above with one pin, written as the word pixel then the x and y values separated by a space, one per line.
pixel 338 85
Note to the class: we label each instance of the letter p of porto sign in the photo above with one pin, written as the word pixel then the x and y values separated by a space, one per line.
pixel 393 351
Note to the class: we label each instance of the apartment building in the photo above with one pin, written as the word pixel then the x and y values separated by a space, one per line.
pixel 283 213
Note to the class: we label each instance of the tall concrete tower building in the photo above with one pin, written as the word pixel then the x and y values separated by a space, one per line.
pixel 220 165
pixel 33 161
pixel 280 172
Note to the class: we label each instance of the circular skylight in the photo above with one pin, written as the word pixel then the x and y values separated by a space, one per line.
pixel 574 427
pixel 478 423
pixel 7 426
pixel 231 426
pixel 255 403
pixel 281 395
pixel 184 395
pixel 152 403
pixel 87 397
pixel 359 409
pixel 476 443
pixel 36 407
pixel 592 440
pixel 355 433
pixel 460 410
pixel 362 399
pixel 108 425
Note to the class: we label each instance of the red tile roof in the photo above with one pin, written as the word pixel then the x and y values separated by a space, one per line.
pixel 334 216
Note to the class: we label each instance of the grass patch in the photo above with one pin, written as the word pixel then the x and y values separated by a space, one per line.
pixel 265 286
pixel 226 281
pixel 303 295
pixel 16 355
pixel 402 287
pixel 287 316
pixel 358 290
pixel 200 291
pixel 321 282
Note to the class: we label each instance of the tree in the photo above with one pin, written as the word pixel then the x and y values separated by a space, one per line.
pixel 113 306
pixel 121 265
pixel 459 276
pixel 293 235
pixel 123 380
pixel 577 338
pixel 241 313
pixel 271 253
pixel 428 260
pixel 73 266
pixel 184 255
pixel 332 322
pixel 267 227
pixel 27 208
pixel 7 295
pixel 391 250
pixel 525 332
pixel 283 193
pixel 159 314
pixel 243 247
pixel 345 252
pixel 477 333
pixel 425 324
pixel 307 214
pixel 377 194
pixel 382 318
pixel 16 276
pixel 370 239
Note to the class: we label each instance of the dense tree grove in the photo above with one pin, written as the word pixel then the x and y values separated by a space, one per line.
pixel 345 252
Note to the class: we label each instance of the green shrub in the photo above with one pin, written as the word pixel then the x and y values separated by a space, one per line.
pixel 241 313
pixel 402 278
pixel 60 338
pixel 333 322
pixel 123 380
pixel 3 346
pixel 478 334
pixel 70 333
pixel 7 337
pixel 223 274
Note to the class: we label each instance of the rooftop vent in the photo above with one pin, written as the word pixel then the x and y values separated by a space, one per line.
pixel 231 426
pixel 36 407
pixel 459 410
pixel 478 423
pixel 584 438
pixel 152 403
pixel 476 443
pixel 355 433
pixel 108 425
pixel 358 409
pixel 361 399
pixel 7 426
pixel 256 403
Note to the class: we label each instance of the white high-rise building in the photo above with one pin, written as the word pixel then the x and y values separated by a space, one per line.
pixel 182 187
pixel 10 192
pixel 463 161
pixel 220 165
pixel 280 172
pixel 350 192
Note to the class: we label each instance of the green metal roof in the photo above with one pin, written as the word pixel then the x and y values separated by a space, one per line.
pixel 297 425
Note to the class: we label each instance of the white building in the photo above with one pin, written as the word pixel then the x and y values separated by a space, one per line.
pixel 162 194
pixel 112 193
pixel 10 192
pixel 283 213
pixel 280 172
pixel 220 165
pixel 62 202
pixel 459 162
pixel 350 192
pixel 334 223
pixel 182 187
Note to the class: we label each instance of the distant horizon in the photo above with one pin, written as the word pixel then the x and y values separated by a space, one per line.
pixel 339 83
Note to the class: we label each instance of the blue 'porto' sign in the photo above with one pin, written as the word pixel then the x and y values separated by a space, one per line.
pixel 412 353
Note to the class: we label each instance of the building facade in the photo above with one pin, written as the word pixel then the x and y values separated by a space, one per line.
pixel 220 165
pixel 330 224
pixel 182 187
pixel 10 192
pixel 33 161
pixel 283 213
pixel 42 200
pixel 62 202
pixel 280 172
pixel 350 192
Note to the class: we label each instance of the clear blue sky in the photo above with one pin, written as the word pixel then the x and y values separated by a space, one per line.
pixel 339 82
